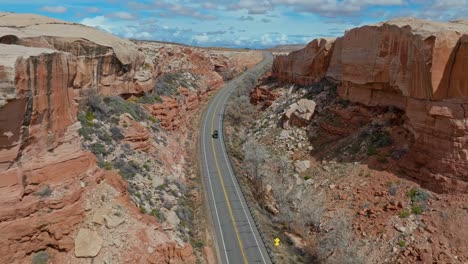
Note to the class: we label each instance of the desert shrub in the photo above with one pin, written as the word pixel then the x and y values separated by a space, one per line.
pixel 104 136
pixel 119 106
pixel 401 243
pixel 392 189
pixel 156 213
pixel 41 257
pixel 98 107
pixel 127 170
pixel 150 98
pixel 376 140
pixel 417 209
pixel 418 195
pixel 168 83
pixel 185 214
pixel 46 191
pixel 98 149
pixel 152 119
pixel 117 134
pixel 197 243
pixel 86 132
pixel 107 166
pixel 404 214
pixel 380 139
pixel 142 210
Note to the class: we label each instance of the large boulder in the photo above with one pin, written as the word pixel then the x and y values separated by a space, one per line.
pixel 300 113
pixel 88 243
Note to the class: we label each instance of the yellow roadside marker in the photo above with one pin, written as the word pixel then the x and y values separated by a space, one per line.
pixel 277 242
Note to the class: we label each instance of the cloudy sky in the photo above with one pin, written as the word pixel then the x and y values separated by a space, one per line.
pixel 243 23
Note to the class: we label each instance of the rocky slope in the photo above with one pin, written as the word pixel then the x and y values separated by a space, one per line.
pixel 413 65
pixel 57 204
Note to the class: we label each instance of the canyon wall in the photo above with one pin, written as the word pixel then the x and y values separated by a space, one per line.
pixel 411 64
pixel 47 179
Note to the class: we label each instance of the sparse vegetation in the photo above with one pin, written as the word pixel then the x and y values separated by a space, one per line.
pixel 418 195
pixel 156 213
pixel 417 209
pixel 378 140
pixel 44 192
pixel 404 214
pixel 116 133
pixel 41 257
pixel 401 243
pixel 98 149
pixel 152 119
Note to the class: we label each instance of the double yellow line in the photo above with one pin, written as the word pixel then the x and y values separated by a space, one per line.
pixel 244 256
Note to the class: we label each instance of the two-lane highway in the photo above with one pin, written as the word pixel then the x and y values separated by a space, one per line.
pixel 236 236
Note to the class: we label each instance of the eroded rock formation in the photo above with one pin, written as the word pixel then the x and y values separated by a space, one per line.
pixel 411 64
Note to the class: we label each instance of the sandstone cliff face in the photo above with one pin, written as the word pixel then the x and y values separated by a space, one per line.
pixel 416 66
pixel 42 164
pixel 304 66
pixel 104 62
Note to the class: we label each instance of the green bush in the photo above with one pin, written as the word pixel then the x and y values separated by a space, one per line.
pixel 142 210
pixel 98 148
pixel 41 257
pixel 107 166
pixel 404 214
pixel 417 209
pixel 104 136
pixel 150 98
pixel 89 116
pixel 401 243
pixel 418 195
pixel 86 132
pixel 378 140
pixel 156 213
pixel 152 119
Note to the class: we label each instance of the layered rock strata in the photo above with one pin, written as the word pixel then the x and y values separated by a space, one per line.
pixel 411 64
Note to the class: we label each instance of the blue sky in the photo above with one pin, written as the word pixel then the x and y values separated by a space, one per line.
pixel 244 23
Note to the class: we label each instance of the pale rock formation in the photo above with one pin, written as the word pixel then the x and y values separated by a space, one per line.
pixel 301 166
pixel 88 243
pixel 300 113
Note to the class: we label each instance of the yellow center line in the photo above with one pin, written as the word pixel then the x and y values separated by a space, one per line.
pixel 224 189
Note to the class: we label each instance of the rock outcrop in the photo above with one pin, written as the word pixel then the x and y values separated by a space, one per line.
pixel 299 114
pixel 411 64
pixel 305 66
pixel 103 62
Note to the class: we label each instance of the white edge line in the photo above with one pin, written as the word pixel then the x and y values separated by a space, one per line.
pixel 209 178
pixel 228 163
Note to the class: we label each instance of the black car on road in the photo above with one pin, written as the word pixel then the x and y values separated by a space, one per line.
pixel 215 134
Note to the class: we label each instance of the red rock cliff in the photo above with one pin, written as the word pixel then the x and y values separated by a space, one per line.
pixel 414 65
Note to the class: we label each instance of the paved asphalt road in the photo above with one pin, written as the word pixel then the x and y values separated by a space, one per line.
pixel 237 237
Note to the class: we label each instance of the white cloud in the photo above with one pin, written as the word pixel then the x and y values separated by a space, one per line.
pixel 122 15
pixel 54 9
pixel 201 39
